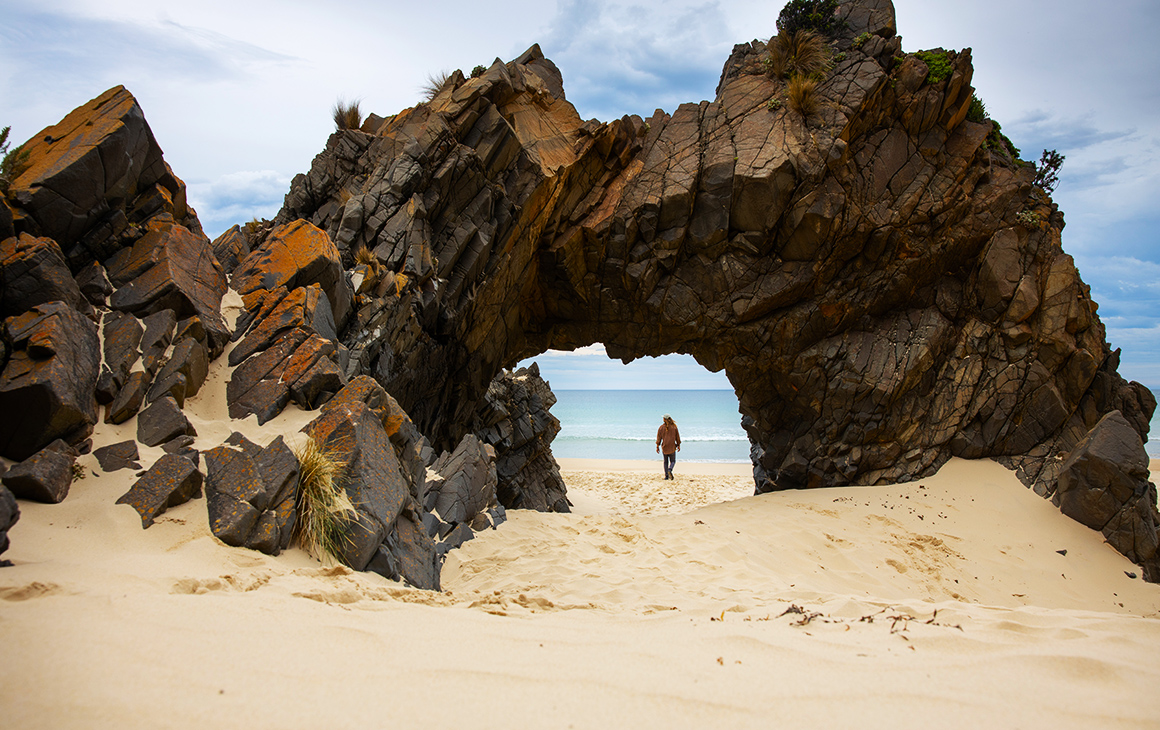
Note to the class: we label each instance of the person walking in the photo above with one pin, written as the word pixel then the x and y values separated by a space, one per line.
pixel 669 443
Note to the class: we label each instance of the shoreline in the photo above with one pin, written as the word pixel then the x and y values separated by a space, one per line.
pixel 699 468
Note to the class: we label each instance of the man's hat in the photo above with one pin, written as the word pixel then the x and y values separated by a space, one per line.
pixel 668 417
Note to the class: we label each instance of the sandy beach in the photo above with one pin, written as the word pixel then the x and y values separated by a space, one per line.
pixel 958 601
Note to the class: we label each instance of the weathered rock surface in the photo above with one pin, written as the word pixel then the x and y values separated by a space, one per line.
pixel 515 420
pixel 250 493
pixel 122 455
pixel 33 271
pixel 462 483
pixel 94 177
pixel 880 280
pixel 48 383
pixel 45 476
pixel 293 255
pixel 171 481
pixel 171 268
pixel 9 515
pixel 163 421
pixel 1104 484
pixel 371 475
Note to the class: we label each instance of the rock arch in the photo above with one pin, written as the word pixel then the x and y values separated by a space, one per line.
pixel 881 282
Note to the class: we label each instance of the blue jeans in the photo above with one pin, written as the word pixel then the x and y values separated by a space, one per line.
pixel 670 462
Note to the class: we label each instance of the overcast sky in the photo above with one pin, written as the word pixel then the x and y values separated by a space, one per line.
pixel 239 93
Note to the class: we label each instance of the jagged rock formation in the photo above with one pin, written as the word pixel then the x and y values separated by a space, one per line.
pixel 880 281
pixel 515 420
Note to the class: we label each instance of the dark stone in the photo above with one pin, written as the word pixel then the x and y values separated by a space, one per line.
pixel 47 386
pixel 45 476
pixel 515 420
pixel 294 255
pixel 408 554
pixel 162 421
pixel 121 455
pixel 173 268
pixel 190 361
pixel 466 482
pixel 122 340
pixel 1104 484
pixel 183 446
pixel 87 166
pixel 299 366
pixel 107 387
pixel 230 248
pixel 94 284
pixel 235 494
pixel 251 493
pixel 156 338
pixel 171 481
pixel 372 476
pixel 129 399
pixel 33 271
pixel 9 515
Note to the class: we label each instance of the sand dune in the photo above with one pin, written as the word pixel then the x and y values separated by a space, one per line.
pixel 679 604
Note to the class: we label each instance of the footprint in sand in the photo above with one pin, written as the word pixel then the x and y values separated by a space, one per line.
pixel 26 592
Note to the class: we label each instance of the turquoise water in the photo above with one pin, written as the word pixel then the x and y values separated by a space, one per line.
pixel 622 424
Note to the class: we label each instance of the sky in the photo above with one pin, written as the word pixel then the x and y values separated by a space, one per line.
pixel 239 95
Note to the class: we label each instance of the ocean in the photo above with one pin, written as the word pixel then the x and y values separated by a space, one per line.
pixel 622 424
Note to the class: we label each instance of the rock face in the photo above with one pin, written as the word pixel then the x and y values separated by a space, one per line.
pixel 515 421
pixel 47 387
pixel 250 493
pixel 45 476
pixel 9 515
pixel 1104 484
pixel 94 177
pixel 879 279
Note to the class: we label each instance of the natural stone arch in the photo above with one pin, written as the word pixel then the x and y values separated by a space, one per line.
pixel 880 281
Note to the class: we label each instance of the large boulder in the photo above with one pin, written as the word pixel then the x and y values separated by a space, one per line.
pixel 173 268
pixel 515 419
pixel 371 475
pixel 9 514
pixel 462 482
pixel 47 386
pixel 250 493
pixel 171 481
pixel 299 366
pixel 1104 484
pixel 297 254
pixel 91 161
pixel 33 271
pixel 45 476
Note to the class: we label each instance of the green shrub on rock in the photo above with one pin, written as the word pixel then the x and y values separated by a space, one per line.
pixel 816 15
pixel 938 63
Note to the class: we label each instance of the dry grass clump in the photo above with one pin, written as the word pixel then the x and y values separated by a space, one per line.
pixel 802 52
pixel 346 115
pixel 363 255
pixel 324 510
pixel 802 95
pixel 434 85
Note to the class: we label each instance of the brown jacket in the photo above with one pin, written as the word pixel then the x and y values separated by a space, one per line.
pixel 668 438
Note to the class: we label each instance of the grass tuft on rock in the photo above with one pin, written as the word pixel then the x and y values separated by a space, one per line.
pixel 434 85
pixel 346 115
pixel 324 510
pixel 802 52
pixel 801 95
